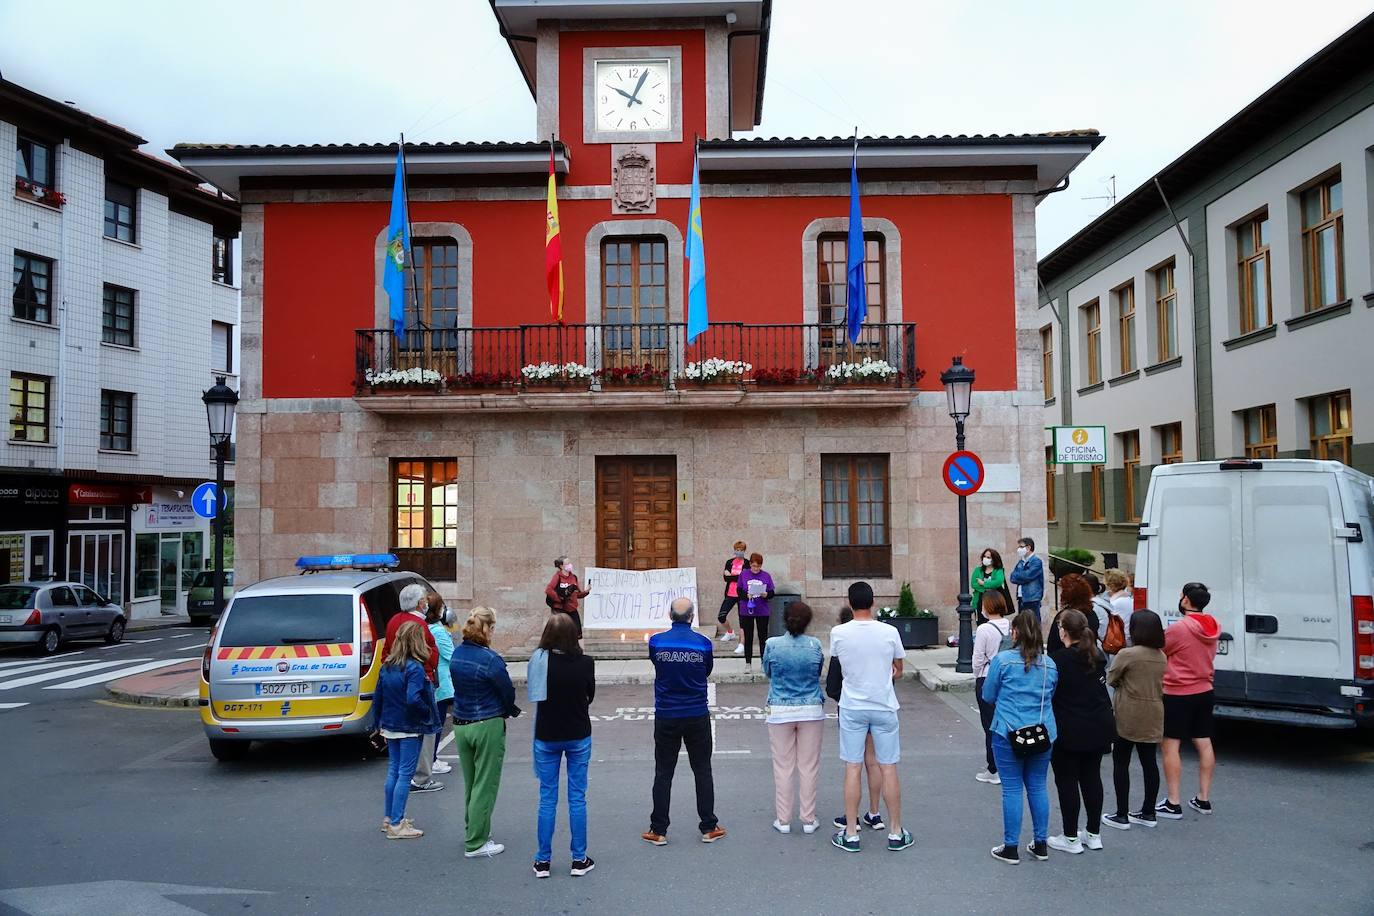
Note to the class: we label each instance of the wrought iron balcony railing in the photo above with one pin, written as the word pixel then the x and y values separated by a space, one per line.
pixel 617 355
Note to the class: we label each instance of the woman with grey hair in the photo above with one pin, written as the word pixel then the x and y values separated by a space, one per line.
pixel 564 591
pixel 414 600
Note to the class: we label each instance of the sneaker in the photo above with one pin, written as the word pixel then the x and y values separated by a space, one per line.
pixel 898 843
pixel 1200 806
pixel 846 842
pixel 1092 840
pixel 1070 844
pixel 873 820
pixel 1118 821
pixel 386 824
pixel 405 830
pixel 988 777
pixel 489 849
pixel 433 785
pixel 581 866
pixel 810 827
pixel 1171 811
pixel 1009 854
pixel 441 767
pixel 1040 850
pixel 1143 819
pixel 654 839
pixel 780 827
pixel 715 833
pixel 541 869
pixel 739 650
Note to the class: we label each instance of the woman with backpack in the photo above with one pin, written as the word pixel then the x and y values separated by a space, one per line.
pixel 1083 715
pixel 1020 685
pixel 1137 676
pixel 405 713
pixel 992 637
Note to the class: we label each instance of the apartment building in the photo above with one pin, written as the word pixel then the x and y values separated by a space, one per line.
pixel 124 307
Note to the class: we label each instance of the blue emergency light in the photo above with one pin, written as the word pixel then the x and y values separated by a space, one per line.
pixel 348 561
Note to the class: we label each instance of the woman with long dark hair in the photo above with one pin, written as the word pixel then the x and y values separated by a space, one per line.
pixel 1083 715
pixel 1020 686
pixel 987 576
pixel 1076 593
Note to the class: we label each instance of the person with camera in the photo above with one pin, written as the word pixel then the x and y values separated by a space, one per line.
pixel 563 592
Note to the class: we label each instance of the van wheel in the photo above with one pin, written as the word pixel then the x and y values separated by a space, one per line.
pixel 116 634
pixel 200 621
pixel 229 750
pixel 52 639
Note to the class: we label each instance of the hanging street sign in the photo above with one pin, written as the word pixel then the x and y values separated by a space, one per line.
pixel 963 473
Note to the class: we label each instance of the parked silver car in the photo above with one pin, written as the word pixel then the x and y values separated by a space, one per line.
pixel 47 614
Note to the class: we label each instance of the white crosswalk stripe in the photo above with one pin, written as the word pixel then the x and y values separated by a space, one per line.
pixel 189 648
pixel 31 661
pixel 113 675
pixel 12 705
pixel 64 671
pixel 45 666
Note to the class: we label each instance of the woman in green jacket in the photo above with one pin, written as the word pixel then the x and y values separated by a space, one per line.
pixel 988 576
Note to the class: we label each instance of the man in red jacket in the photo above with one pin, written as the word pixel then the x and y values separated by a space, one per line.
pixel 414 602
pixel 1190 646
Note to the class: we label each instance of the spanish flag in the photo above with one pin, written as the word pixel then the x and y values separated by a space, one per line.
pixel 553 248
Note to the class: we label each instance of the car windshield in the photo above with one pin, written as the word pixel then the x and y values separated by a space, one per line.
pixel 16 597
pixel 288 620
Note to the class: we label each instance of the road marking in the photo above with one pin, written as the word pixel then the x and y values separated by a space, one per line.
pixel 12 705
pixel 142 641
pixel 65 672
pixel 200 645
pixel 112 675
pixel 42 666
pixel 30 661
pixel 183 636
pixel 448 739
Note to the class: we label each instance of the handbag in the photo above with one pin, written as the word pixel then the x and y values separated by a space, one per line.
pixel 1115 639
pixel 1033 739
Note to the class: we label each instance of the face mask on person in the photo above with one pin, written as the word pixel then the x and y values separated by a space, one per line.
pixel 1021 552
pixel 740 554
pixel 567 568
pixel 987 561
pixel 1182 611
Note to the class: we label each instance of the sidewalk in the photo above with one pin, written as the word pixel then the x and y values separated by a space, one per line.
pixel 165 622
pixel 179 685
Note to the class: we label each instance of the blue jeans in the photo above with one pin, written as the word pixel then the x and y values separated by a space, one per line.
pixel 404 753
pixel 1016 772
pixel 547 758
pixel 1032 606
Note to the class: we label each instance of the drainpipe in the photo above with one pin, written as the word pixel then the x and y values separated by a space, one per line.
pixel 59 300
pixel 1192 288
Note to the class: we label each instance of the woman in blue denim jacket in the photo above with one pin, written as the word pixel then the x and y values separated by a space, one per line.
pixel 796 716
pixel 1020 686
pixel 405 712
pixel 483 698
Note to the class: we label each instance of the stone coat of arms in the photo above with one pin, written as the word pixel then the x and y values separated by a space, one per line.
pixel 632 182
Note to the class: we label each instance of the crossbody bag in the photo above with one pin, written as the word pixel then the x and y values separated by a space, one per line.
pixel 1033 739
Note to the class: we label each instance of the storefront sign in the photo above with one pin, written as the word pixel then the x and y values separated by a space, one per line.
pixel 624 599
pixel 170 515
pixel 29 493
pixel 94 494
pixel 1080 444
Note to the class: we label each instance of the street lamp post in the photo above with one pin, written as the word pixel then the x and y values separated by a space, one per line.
pixel 958 382
pixel 219 410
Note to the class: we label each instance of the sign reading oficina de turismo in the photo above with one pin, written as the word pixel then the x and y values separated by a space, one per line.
pixel 1080 444
pixel 627 599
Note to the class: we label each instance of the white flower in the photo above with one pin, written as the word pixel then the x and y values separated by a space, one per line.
pixel 714 368
pixel 868 369
pixel 545 371
pixel 412 376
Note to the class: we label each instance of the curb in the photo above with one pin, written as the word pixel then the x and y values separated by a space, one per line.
pixel 153 699
pixel 138 627
pixel 942 681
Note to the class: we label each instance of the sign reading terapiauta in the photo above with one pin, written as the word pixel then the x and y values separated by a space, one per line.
pixel 630 599
pixel 1080 444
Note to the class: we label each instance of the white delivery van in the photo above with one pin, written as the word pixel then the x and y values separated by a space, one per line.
pixel 1286 547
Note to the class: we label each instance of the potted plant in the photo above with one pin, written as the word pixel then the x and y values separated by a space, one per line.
pixel 1065 560
pixel 479 380
pixel 557 375
pixel 32 190
pixel 869 372
pixel 403 381
pixel 715 371
pixel 643 376
pixel 918 627
pixel 786 377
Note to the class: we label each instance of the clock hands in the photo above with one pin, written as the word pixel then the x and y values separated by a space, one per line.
pixel 638 86
pixel 627 95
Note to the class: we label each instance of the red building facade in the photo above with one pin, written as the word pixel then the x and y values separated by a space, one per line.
pixel 480 477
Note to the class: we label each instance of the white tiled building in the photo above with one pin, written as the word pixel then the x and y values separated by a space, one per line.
pixel 124 307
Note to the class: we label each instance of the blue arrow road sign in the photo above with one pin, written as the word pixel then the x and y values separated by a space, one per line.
pixel 207 500
pixel 963 473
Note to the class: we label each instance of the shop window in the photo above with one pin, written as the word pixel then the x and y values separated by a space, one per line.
pixel 147 569
pixel 855 535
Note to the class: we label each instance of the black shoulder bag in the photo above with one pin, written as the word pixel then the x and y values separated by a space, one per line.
pixel 1033 739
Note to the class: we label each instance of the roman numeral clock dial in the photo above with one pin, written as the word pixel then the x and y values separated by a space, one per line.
pixel 633 95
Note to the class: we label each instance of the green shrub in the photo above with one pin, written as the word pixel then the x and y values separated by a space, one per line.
pixel 1074 555
pixel 906 602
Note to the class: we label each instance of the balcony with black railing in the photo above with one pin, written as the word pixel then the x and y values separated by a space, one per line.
pixel 634 366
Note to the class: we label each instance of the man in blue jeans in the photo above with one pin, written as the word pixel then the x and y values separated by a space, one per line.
pixel 870 653
pixel 1028 575
pixel 682 662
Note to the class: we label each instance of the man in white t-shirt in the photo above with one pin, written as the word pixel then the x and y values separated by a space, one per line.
pixel 870 653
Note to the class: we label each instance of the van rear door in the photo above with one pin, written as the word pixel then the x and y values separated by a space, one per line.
pixel 1296 602
pixel 1193 532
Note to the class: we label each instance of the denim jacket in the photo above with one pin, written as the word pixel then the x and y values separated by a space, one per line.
pixel 1029 576
pixel 793 666
pixel 405 700
pixel 481 685
pixel 1020 697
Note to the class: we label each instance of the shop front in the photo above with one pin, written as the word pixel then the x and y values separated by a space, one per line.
pixel 169 548
pixel 30 521
pixel 97 536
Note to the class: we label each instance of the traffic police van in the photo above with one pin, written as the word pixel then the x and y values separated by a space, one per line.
pixel 298 656
pixel 1286 548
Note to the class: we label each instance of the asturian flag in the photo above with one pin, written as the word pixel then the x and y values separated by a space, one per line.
pixel 553 248
pixel 396 257
pixel 697 320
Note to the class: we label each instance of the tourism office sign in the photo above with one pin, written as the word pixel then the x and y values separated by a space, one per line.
pixel 1079 444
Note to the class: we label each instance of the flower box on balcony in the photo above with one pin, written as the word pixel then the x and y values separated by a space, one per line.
pixel 557 375
pixel 786 378
pixel 645 376
pixel 714 373
pixel 39 194
pixel 480 381
pixel 404 381
pixel 871 373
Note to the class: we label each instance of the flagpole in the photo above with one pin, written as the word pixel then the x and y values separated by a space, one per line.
pixel 850 349
pixel 410 234
pixel 552 171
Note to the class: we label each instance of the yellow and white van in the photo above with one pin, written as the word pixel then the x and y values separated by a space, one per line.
pixel 298 656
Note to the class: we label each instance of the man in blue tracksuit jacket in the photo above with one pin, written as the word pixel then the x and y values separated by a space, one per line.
pixel 1029 578
pixel 682 662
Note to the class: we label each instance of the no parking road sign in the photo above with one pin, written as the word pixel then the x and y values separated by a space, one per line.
pixel 963 473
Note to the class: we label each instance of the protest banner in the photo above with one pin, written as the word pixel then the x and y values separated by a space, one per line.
pixel 627 599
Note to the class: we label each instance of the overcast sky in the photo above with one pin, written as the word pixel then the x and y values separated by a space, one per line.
pixel 1154 77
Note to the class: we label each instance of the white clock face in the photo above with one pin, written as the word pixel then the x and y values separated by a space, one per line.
pixel 633 95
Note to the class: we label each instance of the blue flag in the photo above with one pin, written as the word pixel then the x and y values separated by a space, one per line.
pixel 856 285
pixel 397 253
pixel 697 319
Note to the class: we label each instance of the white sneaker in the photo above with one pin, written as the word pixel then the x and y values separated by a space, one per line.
pixel 739 650
pixel 441 766
pixel 780 827
pixel 991 779
pixel 489 848
pixel 1092 840
pixel 1072 845
pixel 809 827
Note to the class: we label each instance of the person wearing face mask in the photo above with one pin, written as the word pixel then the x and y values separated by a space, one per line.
pixel 733 567
pixel 755 588
pixel 564 591
pixel 1028 575
pixel 989 576
pixel 1190 650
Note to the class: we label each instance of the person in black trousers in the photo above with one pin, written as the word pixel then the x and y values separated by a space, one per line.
pixel 1086 729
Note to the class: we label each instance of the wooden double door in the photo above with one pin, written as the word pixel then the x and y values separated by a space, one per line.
pixel 636 512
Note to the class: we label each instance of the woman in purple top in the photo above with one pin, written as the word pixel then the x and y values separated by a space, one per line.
pixel 753 607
